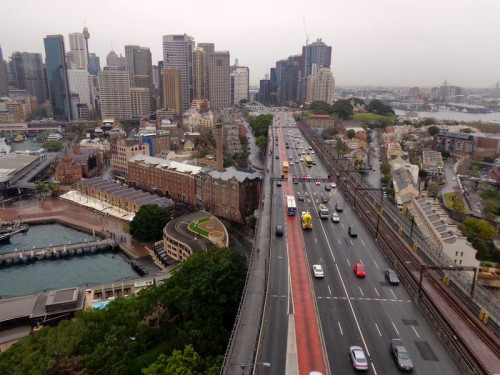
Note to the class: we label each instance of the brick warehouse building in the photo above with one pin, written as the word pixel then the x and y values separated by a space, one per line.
pixel 78 164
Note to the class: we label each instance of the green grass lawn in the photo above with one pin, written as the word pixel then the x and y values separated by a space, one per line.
pixel 195 228
pixel 448 198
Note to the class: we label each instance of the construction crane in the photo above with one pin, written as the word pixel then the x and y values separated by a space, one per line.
pixel 305 28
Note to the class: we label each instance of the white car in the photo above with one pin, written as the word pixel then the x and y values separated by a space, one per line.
pixel 358 358
pixel 335 217
pixel 297 161
pixel 301 159
pixel 291 163
pixel 333 185
pixel 318 271
pixel 317 182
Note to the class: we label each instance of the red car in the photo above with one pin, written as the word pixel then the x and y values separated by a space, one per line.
pixel 359 270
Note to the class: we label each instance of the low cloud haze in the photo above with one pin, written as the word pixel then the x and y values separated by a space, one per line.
pixel 385 42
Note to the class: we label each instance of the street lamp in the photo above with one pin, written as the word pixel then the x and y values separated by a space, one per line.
pixel 251 365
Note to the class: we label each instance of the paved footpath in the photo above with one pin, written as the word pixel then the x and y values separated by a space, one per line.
pixel 76 215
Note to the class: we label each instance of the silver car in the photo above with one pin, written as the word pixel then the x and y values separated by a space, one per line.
pixel 358 358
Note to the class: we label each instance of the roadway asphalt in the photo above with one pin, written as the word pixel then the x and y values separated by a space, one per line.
pixel 366 312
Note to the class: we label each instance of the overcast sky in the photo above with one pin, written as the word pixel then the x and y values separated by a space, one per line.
pixel 375 42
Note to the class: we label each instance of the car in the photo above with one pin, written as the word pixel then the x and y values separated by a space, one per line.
pixel 324 199
pixel 277 156
pixel 297 161
pixel 352 231
pixel 301 159
pixel 333 185
pixel 279 230
pixel 358 358
pixel 318 271
pixel 300 197
pixel 339 207
pixel 454 178
pixel 312 152
pixel 317 182
pixel 335 217
pixel 391 277
pixel 314 162
pixel 278 183
pixel 328 187
pixel 291 158
pixel 308 177
pixel 291 163
pixel 401 355
pixel 359 270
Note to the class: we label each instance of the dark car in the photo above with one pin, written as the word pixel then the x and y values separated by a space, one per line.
pixel 339 207
pixel 324 199
pixel 277 156
pixel 352 231
pixel 279 230
pixel 401 355
pixel 328 187
pixel 301 197
pixel 391 277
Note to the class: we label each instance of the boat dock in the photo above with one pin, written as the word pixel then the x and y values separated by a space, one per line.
pixel 56 252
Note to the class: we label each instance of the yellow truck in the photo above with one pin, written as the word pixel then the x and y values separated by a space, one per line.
pixel 306 220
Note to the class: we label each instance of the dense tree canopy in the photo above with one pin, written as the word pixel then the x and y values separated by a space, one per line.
pixel 53 145
pixel 260 124
pixel 433 130
pixel 376 106
pixel 343 109
pixel 149 222
pixel 191 313
pixel 351 133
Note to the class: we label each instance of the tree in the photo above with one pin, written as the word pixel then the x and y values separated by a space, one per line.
pixel 433 130
pixel 489 159
pixel 320 107
pixel 343 109
pixel 243 101
pixel 385 169
pixel 433 190
pixel 261 142
pixel 251 221
pixel 53 146
pixel 482 228
pixel 351 133
pixel 148 222
pixel 54 188
pixel 376 106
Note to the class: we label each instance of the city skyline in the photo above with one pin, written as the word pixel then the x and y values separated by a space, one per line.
pixel 374 44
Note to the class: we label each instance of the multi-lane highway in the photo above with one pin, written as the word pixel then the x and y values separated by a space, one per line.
pixel 346 310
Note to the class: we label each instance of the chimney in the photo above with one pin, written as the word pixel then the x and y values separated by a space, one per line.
pixel 76 148
pixel 219 154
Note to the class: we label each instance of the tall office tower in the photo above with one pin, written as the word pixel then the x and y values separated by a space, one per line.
pixel 315 56
pixel 320 86
pixel 78 49
pixel 240 84
pixel 200 74
pixel 140 68
pixel 219 82
pixel 273 86
pixel 27 70
pixel 112 59
pixel 79 87
pixel 94 64
pixel 140 99
pixel 160 85
pixel 57 77
pixel 289 80
pixel 207 47
pixel 178 53
pixel 3 75
pixel 114 92
pixel 172 89
pixel 264 90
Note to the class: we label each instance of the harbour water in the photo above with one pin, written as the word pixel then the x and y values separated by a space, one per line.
pixel 444 114
pixel 55 274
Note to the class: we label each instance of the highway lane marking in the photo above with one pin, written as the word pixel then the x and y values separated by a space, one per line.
pixel 395 328
pixel 329 289
pixel 340 327
pixel 349 263
pixel 415 331
pixel 351 242
pixel 363 242
pixel 340 242
pixel 278 296
pixel 365 299
pixel 394 294
pixel 361 291
pixel 376 265
pixel 376 326
pixel 315 240
pixel 376 291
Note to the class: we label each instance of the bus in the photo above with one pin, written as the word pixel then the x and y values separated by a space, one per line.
pixel 291 206
pixel 323 211
pixel 309 161
pixel 286 167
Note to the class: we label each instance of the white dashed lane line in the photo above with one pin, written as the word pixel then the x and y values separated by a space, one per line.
pixel 395 328
pixel 376 326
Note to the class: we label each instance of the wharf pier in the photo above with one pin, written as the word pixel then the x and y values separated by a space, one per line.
pixel 56 252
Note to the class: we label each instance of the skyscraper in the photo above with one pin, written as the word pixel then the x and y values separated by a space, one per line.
pixel 320 86
pixel 264 90
pixel 219 82
pixel 140 68
pixel 178 53
pixel 207 47
pixel 112 59
pixel 172 89
pixel 79 87
pixel 289 80
pixel 315 56
pixel 114 91
pixel 94 64
pixel 27 71
pixel 57 77
pixel 200 74
pixel 78 49
pixel 3 75
pixel 240 83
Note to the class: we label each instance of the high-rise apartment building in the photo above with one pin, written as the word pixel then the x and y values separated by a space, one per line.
pixel 178 53
pixel 57 77
pixel 315 56
pixel 3 75
pixel 321 86
pixel 79 87
pixel 27 73
pixel 78 49
pixel 240 84
pixel 219 83
pixel 114 92
pixel 200 74
pixel 140 98
pixel 112 59
pixel 139 65
pixel 172 89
